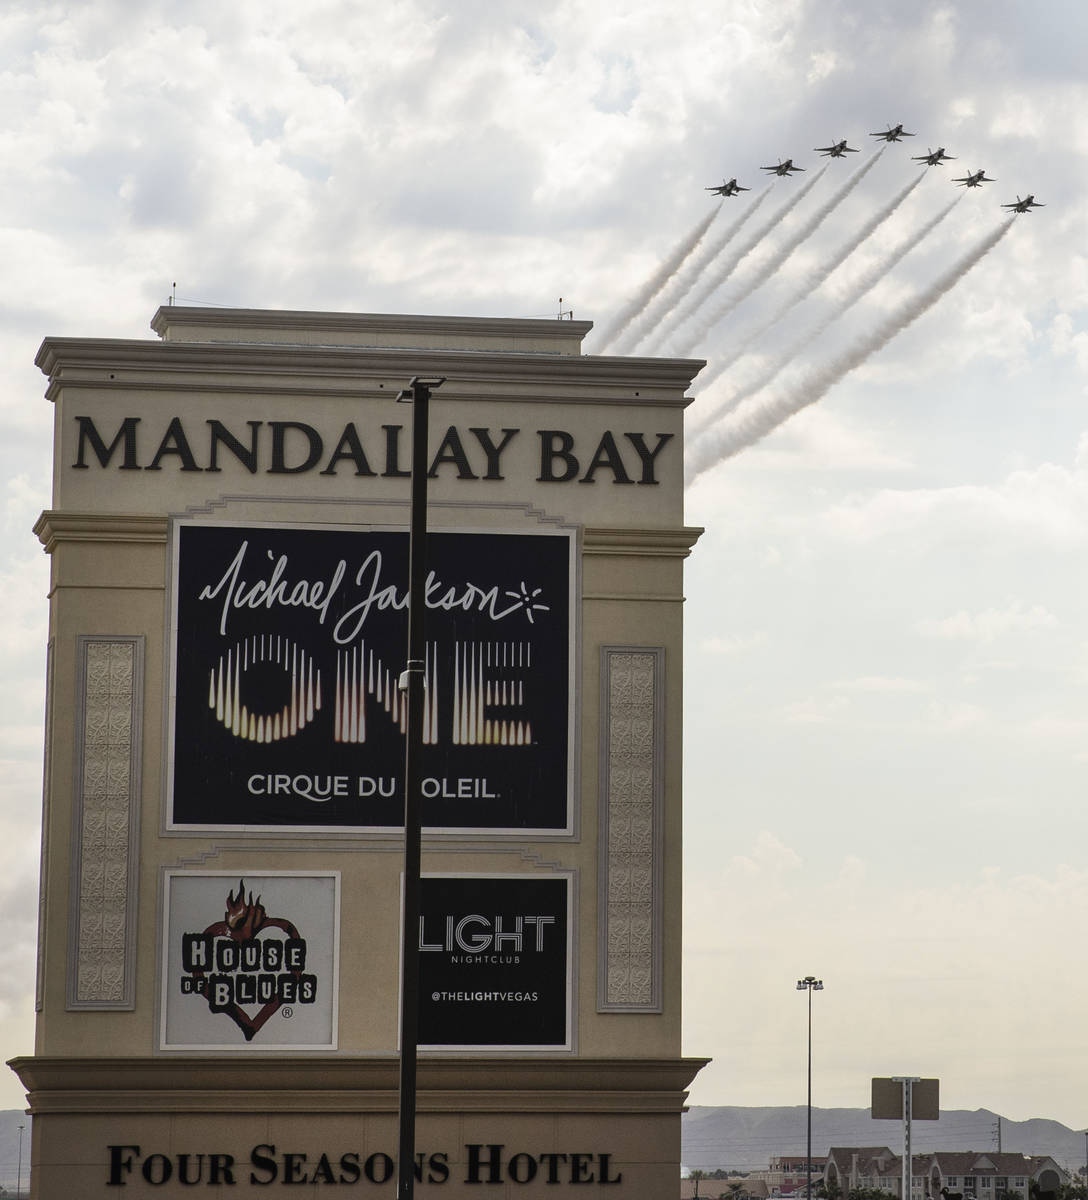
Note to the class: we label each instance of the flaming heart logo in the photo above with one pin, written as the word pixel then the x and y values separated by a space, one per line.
pixel 243 968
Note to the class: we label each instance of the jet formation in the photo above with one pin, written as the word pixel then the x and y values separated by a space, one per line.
pixel 934 158
pixel 975 179
pixel 892 134
pixel 839 149
pixel 727 189
pixel 783 168
pixel 1025 205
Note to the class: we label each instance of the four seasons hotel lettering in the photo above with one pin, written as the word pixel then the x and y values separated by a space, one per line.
pixel 218 992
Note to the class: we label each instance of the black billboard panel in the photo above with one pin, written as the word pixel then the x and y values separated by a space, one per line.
pixel 287 647
pixel 494 962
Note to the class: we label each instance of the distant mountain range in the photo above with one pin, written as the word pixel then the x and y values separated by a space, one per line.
pixel 744 1139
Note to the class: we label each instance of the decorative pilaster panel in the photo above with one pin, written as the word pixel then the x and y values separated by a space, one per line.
pixel 47 791
pixel 102 930
pixel 631 827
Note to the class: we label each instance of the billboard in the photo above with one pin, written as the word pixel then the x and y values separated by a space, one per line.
pixel 495 962
pixel 250 962
pixel 887 1099
pixel 287 645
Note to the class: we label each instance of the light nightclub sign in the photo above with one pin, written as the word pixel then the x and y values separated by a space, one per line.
pixel 495 962
pixel 250 961
pixel 287 647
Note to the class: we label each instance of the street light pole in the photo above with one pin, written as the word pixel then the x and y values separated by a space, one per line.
pixel 418 393
pixel 907 1173
pixel 809 984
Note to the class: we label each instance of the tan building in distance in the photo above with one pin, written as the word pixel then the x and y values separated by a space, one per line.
pixel 969 1174
pixel 220 935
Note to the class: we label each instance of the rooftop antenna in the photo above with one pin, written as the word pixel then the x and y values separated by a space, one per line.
pixel 564 313
pixel 174 292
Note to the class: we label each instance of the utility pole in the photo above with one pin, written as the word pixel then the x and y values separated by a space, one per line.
pixel 908 1082
pixel 809 984
pixel 418 393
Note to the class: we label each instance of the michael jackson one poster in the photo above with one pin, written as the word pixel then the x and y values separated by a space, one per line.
pixel 288 643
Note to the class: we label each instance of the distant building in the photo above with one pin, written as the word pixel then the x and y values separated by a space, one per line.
pixel 786 1174
pixel 735 1187
pixel 993 1175
pixel 971 1174
pixel 850 1167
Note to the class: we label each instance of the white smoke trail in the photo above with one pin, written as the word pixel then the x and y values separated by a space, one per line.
pixel 726 268
pixel 656 282
pixel 760 418
pixel 861 288
pixel 700 327
pixel 814 278
pixel 646 321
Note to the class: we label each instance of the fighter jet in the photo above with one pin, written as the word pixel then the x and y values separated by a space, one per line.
pixel 934 158
pixel 975 179
pixel 837 150
pixel 1025 205
pixel 728 189
pixel 893 133
pixel 783 168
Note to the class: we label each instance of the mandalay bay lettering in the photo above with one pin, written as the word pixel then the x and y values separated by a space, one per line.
pixel 295 448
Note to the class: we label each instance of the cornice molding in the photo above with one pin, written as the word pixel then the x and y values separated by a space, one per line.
pixel 55 526
pixel 348 1083
pixel 362 371
pixel 669 543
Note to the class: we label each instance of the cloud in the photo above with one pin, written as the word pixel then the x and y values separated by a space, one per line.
pixel 726 645
pixel 823 440
pixel 1045 503
pixel 770 858
pixel 881 684
pixel 1065 341
pixel 816 710
pixel 989 625
pixel 1058 727
pixel 821 65
pixel 955 716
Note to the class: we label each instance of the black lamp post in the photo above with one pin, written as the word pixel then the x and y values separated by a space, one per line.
pixel 418 393
pixel 809 984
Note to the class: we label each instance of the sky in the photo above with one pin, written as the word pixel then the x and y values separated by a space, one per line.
pixel 886 742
